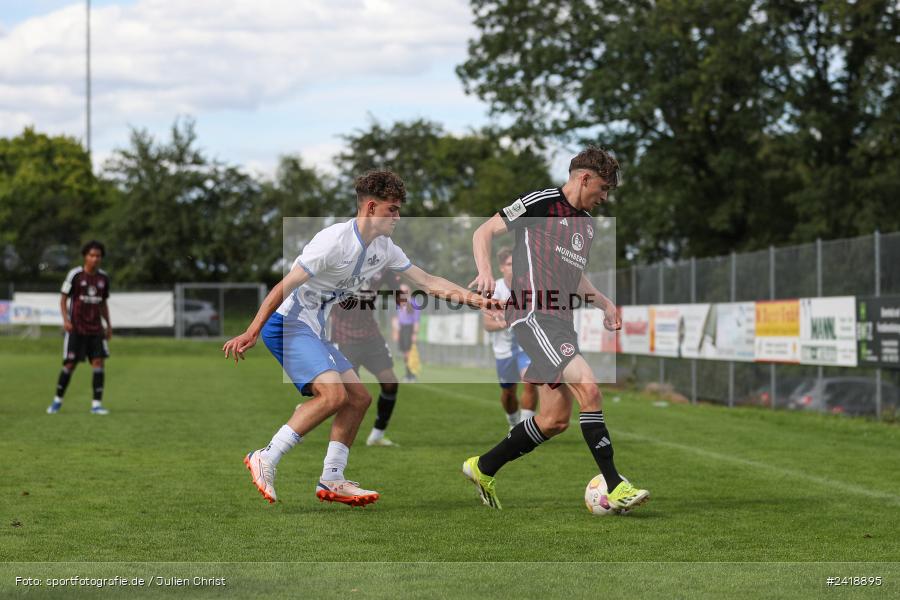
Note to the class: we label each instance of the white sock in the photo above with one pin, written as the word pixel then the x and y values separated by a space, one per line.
pixel 335 461
pixel 376 434
pixel 526 414
pixel 284 439
pixel 513 418
pixel 96 403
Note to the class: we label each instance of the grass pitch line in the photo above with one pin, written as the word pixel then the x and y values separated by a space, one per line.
pixel 746 462
pixel 823 481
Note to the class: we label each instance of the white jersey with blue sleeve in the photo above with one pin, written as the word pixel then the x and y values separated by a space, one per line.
pixel 338 263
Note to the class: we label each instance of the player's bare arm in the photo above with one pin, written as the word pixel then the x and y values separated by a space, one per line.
pixel 446 290
pixel 612 321
pixel 64 309
pixel 236 346
pixel 104 312
pixel 481 248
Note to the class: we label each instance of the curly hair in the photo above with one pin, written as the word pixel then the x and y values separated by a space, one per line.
pixel 503 253
pixel 93 245
pixel 598 160
pixel 382 185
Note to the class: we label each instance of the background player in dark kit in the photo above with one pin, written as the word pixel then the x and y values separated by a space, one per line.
pixel 356 334
pixel 83 307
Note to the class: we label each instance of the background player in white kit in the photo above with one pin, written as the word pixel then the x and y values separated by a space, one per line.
pixel 291 320
pixel 510 359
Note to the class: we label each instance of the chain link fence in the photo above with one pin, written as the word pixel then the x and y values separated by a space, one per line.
pixel 862 266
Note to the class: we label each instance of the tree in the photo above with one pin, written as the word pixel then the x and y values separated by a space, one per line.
pixel 180 216
pixel 836 76
pixel 452 182
pixel 727 114
pixel 48 196
pixel 299 202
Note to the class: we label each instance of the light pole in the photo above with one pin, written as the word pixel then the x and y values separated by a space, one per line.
pixel 88 78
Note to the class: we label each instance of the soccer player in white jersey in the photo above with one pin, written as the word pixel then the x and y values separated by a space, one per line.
pixel 510 359
pixel 291 321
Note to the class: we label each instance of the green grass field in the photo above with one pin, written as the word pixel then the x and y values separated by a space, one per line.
pixel 745 503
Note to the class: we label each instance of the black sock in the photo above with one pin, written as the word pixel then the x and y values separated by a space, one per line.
pixel 593 427
pixel 385 408
pixel 98 385
pixel 521 439
pixel 64 376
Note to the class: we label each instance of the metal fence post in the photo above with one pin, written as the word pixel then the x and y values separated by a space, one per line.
pixel 263 292
pixel 662 299
pixel 733 298
pixel 819 369
pixel 633 285
pixel 878 390
pixel 634 303
pixel 773 383
pixel 179 308
pixel 711 307
pixel 221 312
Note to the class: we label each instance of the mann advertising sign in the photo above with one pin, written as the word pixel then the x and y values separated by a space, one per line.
pixel 878 331
pixel 828 331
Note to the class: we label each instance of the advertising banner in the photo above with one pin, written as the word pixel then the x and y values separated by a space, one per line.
pixel 828 331
pixel 778 331
pixel 693 339
pixel 126 309
pixel 878 331
pixel 734 331
pixel 677 330
pixel 592 334
pixel 5 311
pixel 664 330
pixel 634 337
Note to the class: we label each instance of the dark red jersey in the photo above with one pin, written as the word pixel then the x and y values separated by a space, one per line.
pixel 86 292
pixel 553 244
pixel 353 319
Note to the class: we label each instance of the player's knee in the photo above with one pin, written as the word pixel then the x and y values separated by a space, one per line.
pixel 589 397
pixel 334 396
pixel 389 387
pixel 360 398
pixel 555 426
pixel 69 366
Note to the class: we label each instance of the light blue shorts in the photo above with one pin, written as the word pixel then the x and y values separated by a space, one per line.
pixel 303 354
pixel 509 369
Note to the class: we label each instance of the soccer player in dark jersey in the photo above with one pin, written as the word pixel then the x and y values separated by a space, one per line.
pixel 83 306
pixel 355 333
pixel 554 231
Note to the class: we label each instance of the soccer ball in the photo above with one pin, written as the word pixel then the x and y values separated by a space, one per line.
pixel 595 497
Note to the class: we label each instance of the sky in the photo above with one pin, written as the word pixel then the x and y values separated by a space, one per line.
pixel 262 78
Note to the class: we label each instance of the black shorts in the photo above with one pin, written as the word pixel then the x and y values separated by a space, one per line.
pixel 374 355
pixel 406 332
pixel 77 347
pixel 550 343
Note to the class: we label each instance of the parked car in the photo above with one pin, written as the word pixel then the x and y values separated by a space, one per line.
pixel 199 319
pixel 784 387
pixel 844 395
